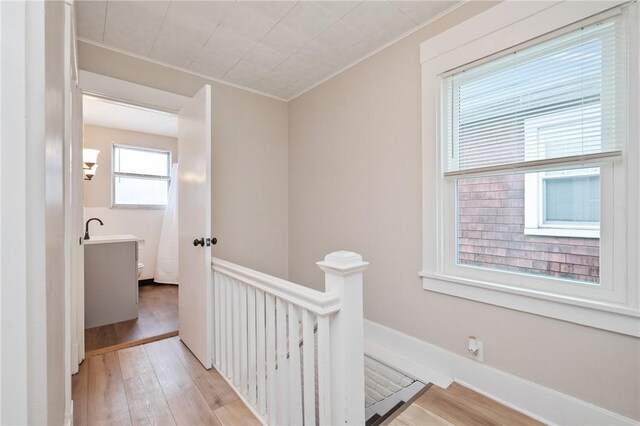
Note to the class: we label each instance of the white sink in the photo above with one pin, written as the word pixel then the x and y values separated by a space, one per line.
pixel 104 239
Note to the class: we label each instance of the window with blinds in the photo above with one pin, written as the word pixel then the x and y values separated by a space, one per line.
pixel 561 100
pixel 141 177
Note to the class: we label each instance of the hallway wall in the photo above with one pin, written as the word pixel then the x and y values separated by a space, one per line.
pixel 249 159
pixel 355 184
pixel 143 223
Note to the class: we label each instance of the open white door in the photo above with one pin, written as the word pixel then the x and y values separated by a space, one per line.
pixel 194 223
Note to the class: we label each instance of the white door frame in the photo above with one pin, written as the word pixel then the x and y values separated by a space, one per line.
pixel 125 92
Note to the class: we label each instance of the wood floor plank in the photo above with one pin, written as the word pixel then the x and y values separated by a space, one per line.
pixel 190 408
pixel 168 368
pixel 79 392
pixel 99 337
pixel 147 403
pixel 415 415
pixel 165 306
pixel 215 390
pixel 235 414
pixel 134 362
pixel 128 331
pixel 107 399
pixel 157 315
pixel 488 407
pixel 436 401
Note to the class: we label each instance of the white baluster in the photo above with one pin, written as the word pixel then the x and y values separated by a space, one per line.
pixel 243 338
pixel 236 332
pixel 272 395
pixel 223 323
pixel 282 374
pixel 309 379
pixel 251 346
pixel 229 325
pixel 216 318
pixel 343 276
pixel 324 372
pixel 261 353
pixel 295 384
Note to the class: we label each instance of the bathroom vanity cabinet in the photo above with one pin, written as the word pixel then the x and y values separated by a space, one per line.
pixel 110 279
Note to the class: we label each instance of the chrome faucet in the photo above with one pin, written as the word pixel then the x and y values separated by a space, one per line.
pixel 86 228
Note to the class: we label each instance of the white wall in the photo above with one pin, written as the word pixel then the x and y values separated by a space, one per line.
pixel 143 223
pixel 355 184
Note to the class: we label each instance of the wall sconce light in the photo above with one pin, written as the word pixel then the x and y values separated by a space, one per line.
pixel 89 173
pixel 89 160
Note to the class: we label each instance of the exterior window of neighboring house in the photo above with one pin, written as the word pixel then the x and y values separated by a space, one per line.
pixel 530 154
pixel 140 177
pixel 561 203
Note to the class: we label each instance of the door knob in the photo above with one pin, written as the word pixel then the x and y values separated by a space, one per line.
pixel 214 241
pixel 198 242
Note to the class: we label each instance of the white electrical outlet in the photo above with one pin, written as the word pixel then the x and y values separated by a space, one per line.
pixel 476 349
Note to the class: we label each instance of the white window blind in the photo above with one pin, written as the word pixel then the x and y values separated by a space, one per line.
pixel 560 100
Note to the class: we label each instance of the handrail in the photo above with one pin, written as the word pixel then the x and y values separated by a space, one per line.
pixel 318 302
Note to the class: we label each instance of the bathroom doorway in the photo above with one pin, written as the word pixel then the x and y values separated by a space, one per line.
pixel 130 153
pixel 137 211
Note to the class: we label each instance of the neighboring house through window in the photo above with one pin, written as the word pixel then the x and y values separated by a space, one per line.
pixel 140 177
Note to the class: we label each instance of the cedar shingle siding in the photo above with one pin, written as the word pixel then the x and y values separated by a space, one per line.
pixel 491 234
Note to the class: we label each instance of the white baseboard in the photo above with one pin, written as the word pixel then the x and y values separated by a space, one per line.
pixel 430 363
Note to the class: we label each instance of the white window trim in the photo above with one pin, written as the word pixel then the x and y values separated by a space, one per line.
pixel 115 174
pixel 500 28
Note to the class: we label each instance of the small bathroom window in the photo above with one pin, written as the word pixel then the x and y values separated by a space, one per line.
pixel 140 177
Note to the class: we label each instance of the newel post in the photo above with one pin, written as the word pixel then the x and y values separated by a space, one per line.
pixel 343 276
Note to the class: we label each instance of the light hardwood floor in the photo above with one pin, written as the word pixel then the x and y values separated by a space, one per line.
pixel 458 405
pixel 157 383
pixel 157 316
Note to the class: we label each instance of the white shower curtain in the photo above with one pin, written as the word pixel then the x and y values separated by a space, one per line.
pixel 167 259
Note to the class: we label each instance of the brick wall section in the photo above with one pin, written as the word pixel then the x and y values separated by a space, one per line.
pixel 491 234
pixel 381 381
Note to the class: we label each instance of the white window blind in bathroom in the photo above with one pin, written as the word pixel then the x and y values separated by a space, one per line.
pixel 561 100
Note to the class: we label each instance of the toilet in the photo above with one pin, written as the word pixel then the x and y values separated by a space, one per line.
pixel 140 268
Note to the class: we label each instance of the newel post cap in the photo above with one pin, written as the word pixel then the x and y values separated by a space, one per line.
pixel 343 263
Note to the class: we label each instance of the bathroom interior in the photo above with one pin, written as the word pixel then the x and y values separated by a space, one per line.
pixel 130 156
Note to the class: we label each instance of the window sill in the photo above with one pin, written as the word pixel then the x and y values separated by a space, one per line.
pixel 138 207
pixel 611 317
pixel 560 232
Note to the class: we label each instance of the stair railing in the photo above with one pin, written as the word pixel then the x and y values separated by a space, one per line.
pixel 266 348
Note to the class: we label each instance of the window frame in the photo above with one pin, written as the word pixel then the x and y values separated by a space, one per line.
pixel 612 305
pixel 115 175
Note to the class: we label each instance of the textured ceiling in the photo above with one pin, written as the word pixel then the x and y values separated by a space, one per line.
pixel 281 48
